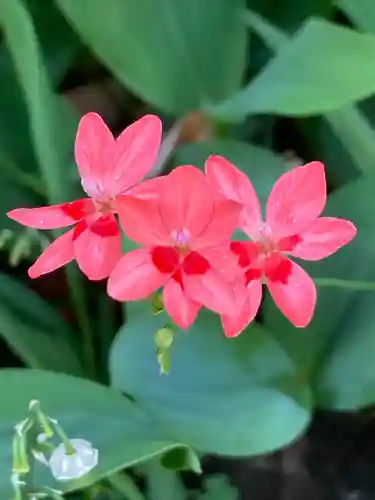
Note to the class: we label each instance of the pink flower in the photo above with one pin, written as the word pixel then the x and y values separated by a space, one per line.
pixel 185 233
pixel 293 227
pixel 108 167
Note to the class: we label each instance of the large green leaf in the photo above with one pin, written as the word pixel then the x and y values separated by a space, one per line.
pixel 338 313
pixel 347 379
pixel 19 177
pixel 350 126
pixel 261 165
pixel 60 44
pixel 176 54
pixel 361 13
pixel 324 67
pixel 215 383
pixel 52 122
pixel 121 431
pixel 289 14
pixel 35 331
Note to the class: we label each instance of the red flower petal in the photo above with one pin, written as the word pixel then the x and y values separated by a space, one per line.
pixel 323 238
pixel 135 277
pixel 233 325
pixel 98 248
pixel 178 305
pixel 57 254
pixel 296 298
pixel 212 291
pixel 135 152
pixel 141 221
pixel 186 200
pixel 296 200
pixel 235 185
pixel 221 225
pixel 93 146
pixel 54 216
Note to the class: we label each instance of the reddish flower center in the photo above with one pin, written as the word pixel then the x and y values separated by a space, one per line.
pixel 265 258
pixel 179 259
pixel 105 226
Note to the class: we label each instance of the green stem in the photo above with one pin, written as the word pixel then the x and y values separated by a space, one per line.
pixel 347 284
pixel 79 303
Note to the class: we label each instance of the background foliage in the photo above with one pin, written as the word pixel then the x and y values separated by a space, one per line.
pixel 267 84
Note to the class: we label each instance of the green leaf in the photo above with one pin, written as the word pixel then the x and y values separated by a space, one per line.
pixel 347 379
pixel 175 54
pixel 35 331
pixel 182 459
pixel 288 14
pixel 163 484
pixel 335 307
pixel 218 488
pixel 300 81
pixel 356 134
pixel 349 125
pixel 261 165
pixel 52 122
pixel 60 44
pixel 123 434
pixel 215 383
pixel 360 12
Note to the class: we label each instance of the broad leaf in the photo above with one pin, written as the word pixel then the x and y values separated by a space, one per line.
pixel 214 383
pixel 51 120
pixel 324 67
pixel 360 12
pixel 123 434
pixel 35 331
pixel 349 124
pixel 176 54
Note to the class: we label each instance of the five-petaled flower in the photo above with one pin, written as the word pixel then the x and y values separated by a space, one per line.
pixel 292 227
pixel 108 168
pixel 184 233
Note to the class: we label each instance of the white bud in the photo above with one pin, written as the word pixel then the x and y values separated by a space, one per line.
pixel 66 467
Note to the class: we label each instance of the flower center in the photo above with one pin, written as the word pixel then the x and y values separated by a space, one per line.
pixel 181 239
pixel 264 258
pixel 106 206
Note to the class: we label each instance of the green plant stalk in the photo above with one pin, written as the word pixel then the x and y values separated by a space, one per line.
pixel 79 303
pixel 347 284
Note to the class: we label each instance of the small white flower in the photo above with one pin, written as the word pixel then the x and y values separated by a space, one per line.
pixel 66 467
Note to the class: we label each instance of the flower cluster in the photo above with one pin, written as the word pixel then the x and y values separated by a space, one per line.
pixel 183 223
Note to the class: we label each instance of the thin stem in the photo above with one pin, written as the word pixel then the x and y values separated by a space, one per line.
pixel 347 284
pixel 80 306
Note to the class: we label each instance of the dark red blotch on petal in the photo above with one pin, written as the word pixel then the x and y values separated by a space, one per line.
pixel 239 249
pixel 278 268
pixel 195 263
pixel 289 243
pixel 77 210
pixel 165 259
pixel 252 274
pixel 247 252
pixel 79 228
pixel 105 226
